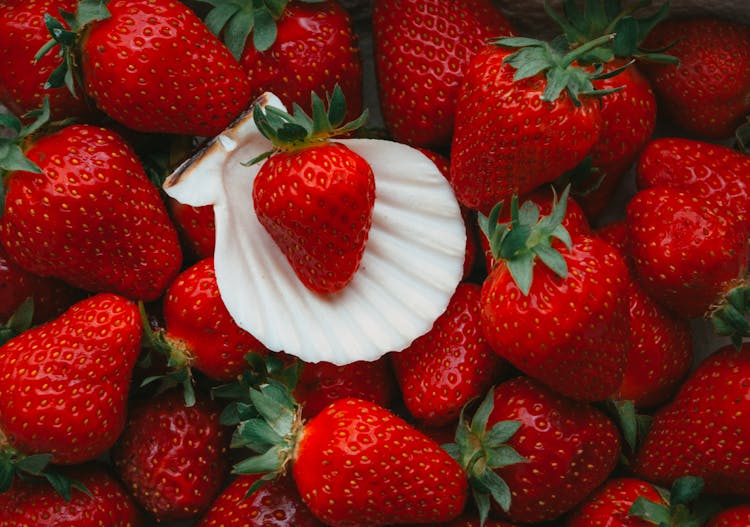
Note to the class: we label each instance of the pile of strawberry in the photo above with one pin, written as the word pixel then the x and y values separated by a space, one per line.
pixel 559 387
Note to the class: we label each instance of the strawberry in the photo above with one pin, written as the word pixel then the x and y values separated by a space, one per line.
pixel 322 383
pixel 36 504
pixel 173 459
pixel 467 520
pixel 65 383
pixel 199 332
pixel 50 296
pixel 196 228
pixel 422 50
pixel 91 202
pixel 706 94
pixel 575 220
pixel 631 502
pixel 323 230
pixel 205 86
pixel 22 78
pixel 629 111
pixel 297 48
pixel 514 130
pixel 444 369
pixel 690 254
pixel 354 463
pixel 712 171
pixel 702 431
pixel 735 516
pixel 562 320
pixel 276 504
pixel 551 452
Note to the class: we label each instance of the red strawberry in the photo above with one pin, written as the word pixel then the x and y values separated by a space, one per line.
pixel 51 296
pixel 689 252
pixel 154 66
pixel 22 79
pixel 468 520
pixel 444 369
pixel 275 504
pixel 65 384
pixel 91 203
pixel 703 431
pixel 707 93
pixel 195 226
pixel 712 171
pixel 562 319
pixel 422 50
pixel 199 331
pixel 323 230
pixel 515 131
pixel 355 463
pixel 575 220
pixel 616 234
pixel 297 48
pixel 631 502
pixel 36 504
pixel 554 451
pixel 735 516
pixel 171 458
pixel 322 383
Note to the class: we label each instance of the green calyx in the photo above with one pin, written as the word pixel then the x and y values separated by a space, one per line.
pixel 682 505
pixel 66 38
pixel 480 451
pixel 632 425
pixel 605 17
pixel 271 433
pixel 178 360
pixel 18 322
pixel 730 317
pixel 299 130
pixel 526 237
pixel 234 20
pixel 14 464
pixel 557 62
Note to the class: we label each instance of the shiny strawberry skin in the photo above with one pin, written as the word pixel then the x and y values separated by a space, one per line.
pixel 703 431
pixel 712 171
pixel 315 49
pixel 92 218
pixel 173 459
pixel 570 333
pixel 422 50
pixel 468 520
pixel 119 57
pixel 357 464
pixel 570 448
pixel 444 369
pixel 687 250
pixel 610 504
pixel 507 139
pixel 628 122
pixel 198 323
pixel 65 384
pixel 51 296
pixel 734 516
pixel 22 79
pixel 195 226
pixel 322 383
pixel 274 504
pixel 707 93
pixel 38 504
pixel 316 203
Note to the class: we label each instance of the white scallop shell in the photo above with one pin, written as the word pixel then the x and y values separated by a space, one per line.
pixel 412 262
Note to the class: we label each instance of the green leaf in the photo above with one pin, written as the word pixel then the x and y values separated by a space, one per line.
pixel 276 412
pixel 500 433
pixel 220 15
pixel 60 483
pixel 10 121
pixel 522 271
pixel 34 464
pixel 497 487
pixel 258 431
pixel 517 42
pixel 265 31
pixel 7 473
pixel 22 317
pixel 270 461
pixel 14 159
pixel 625 43
pixel 528 213
pixel 503 456
pixel 514 243
pixel 552 259
pixel 482 501
pixel 276 7
pixel 91 11
pixel 482 415
pixel 557 81
pixel 649 511
pixel 685 490
pixel 336 107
